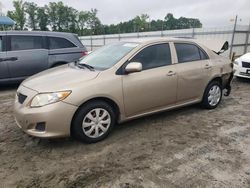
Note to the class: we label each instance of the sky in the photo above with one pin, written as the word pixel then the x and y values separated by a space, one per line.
pixel 212 13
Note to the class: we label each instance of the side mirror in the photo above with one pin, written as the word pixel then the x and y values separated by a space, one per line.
pixel 133 67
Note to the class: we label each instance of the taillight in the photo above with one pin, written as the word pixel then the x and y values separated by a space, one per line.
pixel 84 53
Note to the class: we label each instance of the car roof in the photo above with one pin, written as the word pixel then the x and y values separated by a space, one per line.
pixel 70 36
pixel 45 33
pixel 215 45
pixel 157 39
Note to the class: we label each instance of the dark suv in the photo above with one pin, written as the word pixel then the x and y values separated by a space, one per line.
pixel 24 53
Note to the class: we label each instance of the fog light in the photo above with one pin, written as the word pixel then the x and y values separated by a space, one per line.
pixel 40 126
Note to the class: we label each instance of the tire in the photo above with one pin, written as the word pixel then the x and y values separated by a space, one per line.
pixel 210 100
pixel 87 127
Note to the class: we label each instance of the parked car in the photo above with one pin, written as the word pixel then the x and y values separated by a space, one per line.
pixel 24 53
pixel 242 66
pixel 120 82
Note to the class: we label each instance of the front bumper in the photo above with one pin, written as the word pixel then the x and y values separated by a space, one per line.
pixel 56 117
pixel 241 71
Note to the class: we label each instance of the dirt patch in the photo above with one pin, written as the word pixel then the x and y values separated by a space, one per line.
pixel 188 147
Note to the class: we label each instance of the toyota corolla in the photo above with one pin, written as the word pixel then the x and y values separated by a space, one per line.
pixel 120 82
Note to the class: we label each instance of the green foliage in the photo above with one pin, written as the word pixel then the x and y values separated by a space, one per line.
pixel 42 18
pixel 57 16
pixel 18 15
pixel 31 10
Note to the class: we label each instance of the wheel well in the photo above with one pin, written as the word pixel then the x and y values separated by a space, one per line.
pixel 109 101
pixel 58 64
pixel 219 79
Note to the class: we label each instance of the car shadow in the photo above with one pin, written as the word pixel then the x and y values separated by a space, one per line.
pixel 244 80
pixel 8 87
pixel 120 130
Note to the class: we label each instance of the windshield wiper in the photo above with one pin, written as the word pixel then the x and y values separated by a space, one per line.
pixel 84 65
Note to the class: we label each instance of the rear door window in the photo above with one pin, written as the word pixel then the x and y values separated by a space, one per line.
pixel 18 43
pixel 59 43
pixel 189 52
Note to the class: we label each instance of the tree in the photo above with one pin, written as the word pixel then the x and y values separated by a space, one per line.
pixel 42 18
pixel 141 23
pixel 182 23
pixel 57 16
pixel 18 15
pixel 82 19
pixel 52 15
pixel 170 22
pixel 145 19
pixel 61 12
pixel 71 19
pixel 31 10
pixel 93 22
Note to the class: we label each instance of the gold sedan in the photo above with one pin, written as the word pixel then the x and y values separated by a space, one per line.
pixel 119 82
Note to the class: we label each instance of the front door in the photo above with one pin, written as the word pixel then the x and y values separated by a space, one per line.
pixel 155 86
pixel 4 73
pixel 26 55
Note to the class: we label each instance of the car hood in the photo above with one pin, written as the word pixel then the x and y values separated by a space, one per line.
pixel 245 57
pixel 60 78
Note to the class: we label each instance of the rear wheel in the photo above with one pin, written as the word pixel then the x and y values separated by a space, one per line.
pixel 93 122
pixel 212 95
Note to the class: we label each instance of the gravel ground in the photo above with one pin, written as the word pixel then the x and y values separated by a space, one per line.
pixel 188 147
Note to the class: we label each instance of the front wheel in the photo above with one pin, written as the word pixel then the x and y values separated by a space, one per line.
pixel 212 95
pixel 93 122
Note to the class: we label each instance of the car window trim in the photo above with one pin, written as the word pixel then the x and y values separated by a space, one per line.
pixel 121 70
pixel 8 42
pixel 202 50
pixel 199 48
pixel 64 53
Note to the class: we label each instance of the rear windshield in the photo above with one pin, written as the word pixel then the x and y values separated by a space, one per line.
pixel 82 46
pixel 108 55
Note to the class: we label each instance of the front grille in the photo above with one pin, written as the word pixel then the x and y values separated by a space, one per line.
pixel 244 74
pixel 245 64
pixel 21 98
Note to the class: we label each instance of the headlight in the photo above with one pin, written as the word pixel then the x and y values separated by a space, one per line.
pixel 43 99
pixel 236 62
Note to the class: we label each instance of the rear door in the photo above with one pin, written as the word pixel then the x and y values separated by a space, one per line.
pixel 27 55
pixel 191 71
pixel 62 50
pixel 4 73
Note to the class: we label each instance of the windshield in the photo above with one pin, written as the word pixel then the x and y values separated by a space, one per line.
pixel 108 56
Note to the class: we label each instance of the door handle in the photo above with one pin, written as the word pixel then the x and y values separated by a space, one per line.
pixel 9 59
pixel 171 73
pixel 207 66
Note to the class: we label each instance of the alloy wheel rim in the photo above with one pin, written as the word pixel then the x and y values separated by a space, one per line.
pixel 96 122
pixel 214 95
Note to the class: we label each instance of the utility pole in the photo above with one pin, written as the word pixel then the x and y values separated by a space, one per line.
pixel 247 38
pixel 233 34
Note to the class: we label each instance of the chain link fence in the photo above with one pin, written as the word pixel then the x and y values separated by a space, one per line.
pixel 237 36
